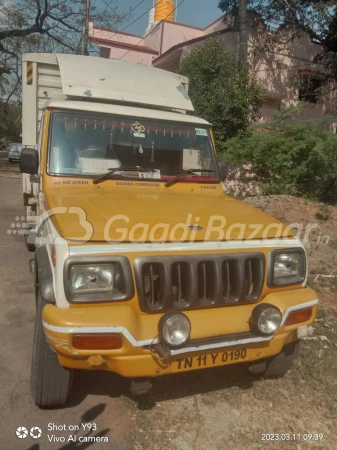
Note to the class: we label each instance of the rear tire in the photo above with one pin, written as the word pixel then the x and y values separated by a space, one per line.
pixel 277 366
pixel 50 382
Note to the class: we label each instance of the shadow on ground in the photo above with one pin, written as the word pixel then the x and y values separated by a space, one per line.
pixel 164 388
pixel 197 382
pixel 90 416
pixel 106 384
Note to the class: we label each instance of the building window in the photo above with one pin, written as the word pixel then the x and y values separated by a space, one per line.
pixel 309 89
pixel 105 52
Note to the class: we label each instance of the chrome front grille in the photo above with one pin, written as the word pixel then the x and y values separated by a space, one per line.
pixel 198 281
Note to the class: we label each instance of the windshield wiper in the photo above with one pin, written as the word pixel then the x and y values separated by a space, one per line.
pixel 186 172
pixel 105 176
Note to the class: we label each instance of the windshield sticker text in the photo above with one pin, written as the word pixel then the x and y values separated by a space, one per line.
pixel 201 132
pixel 138 184
pixel 70 182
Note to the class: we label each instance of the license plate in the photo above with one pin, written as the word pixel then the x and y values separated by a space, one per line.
pixel 210 360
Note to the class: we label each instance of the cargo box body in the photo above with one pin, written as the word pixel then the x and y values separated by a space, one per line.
pixel 47 76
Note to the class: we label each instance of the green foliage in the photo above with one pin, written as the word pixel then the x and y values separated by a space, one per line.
pixel 222 90
pixel 10 123
pixel 293 159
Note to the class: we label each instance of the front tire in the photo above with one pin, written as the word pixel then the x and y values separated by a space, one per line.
pixel 50 382
pixel 277 366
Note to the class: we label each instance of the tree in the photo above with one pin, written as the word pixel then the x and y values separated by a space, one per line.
pixel 10 123
pixel 243 49
pixel 290 19
pixel 60 20
pixel 42 26
pixel 222 90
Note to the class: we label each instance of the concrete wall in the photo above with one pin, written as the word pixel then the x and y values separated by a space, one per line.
pixel 216 26
pixel 133 56
pixel 108 35
pixel 106 51
pixel 175 33
pixel 230 41
pixel 172 61
pixel 308 111
pixel 153 40
pixel 280 67
pixel 276 67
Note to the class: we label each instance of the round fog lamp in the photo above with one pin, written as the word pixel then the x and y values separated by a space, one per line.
pixel 174 329
pixel 267 318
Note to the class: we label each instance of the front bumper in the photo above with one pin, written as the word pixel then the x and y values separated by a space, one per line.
pixel 139 332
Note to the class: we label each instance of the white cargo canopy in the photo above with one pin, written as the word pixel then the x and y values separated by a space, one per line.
pixel 127 111
pixel 111 79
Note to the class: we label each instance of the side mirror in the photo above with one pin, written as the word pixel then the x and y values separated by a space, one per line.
pixel 29 161
pixel 223 170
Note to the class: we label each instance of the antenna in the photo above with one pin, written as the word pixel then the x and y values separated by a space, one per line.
pixel 176 11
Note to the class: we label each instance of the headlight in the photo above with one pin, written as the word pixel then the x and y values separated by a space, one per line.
pixel 89 279
pixel 266 319
pixel 174 329
pixel 287 267
pixel 85 279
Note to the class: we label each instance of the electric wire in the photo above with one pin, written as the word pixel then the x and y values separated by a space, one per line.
pixel 148 34
pixel 129 24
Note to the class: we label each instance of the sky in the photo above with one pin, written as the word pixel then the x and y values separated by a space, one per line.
pixel 198 13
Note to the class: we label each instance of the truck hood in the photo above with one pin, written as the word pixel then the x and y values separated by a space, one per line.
pixel 163 216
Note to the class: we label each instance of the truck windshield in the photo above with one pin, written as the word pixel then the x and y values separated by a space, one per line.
pixel 89 145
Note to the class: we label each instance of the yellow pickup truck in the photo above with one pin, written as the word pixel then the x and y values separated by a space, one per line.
pixel 143 266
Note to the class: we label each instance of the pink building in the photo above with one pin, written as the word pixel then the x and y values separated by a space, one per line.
pixel 165 43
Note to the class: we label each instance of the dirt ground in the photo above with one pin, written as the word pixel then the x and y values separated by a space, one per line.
pixel 226 408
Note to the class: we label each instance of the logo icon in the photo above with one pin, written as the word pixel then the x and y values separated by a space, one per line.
pixel 22 432
pixel 35 432
pixel 137 128
pixel 21 226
